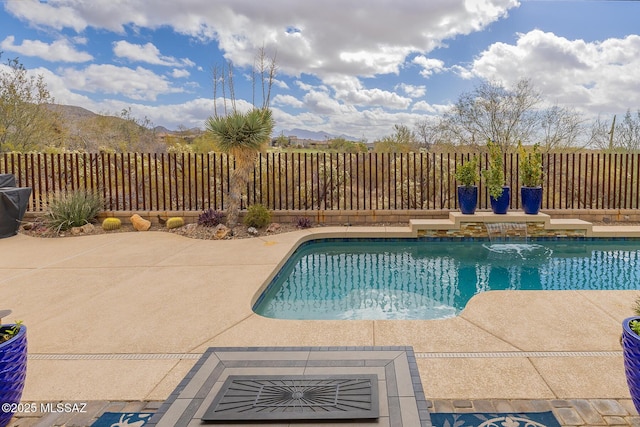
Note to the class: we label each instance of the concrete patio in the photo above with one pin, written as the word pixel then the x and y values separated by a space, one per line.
pixel 125 316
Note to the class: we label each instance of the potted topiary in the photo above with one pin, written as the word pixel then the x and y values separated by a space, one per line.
pixel 499 193
pixel 467 175
pixel 531 179
pixel 631 353
pixel 13 366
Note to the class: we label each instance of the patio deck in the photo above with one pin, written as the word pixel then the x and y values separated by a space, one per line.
pixel 124 317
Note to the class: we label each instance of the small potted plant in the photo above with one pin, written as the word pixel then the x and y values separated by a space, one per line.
pixel 499 193
pixel 467 175
pixel 631 353
pixel 13 364
pixel 531 179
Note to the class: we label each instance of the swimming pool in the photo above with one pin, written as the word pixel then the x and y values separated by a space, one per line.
pixel 422 279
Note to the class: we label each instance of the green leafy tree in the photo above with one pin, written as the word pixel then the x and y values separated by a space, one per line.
pixel 343 145
pixel 282 141
pixel 27 119
pixel 403 140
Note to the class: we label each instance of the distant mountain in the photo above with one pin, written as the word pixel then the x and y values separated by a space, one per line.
pixel 164 130
pixel 161 129
pixel 314 135
pixel 71 112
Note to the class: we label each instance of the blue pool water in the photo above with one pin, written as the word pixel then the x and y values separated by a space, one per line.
pixel 418 279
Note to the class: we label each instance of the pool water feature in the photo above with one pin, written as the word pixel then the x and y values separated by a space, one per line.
pixel 423 279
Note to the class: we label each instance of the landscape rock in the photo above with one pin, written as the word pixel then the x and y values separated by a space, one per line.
pixel 273 227
pixel 88 228
pixel 140 223
pixel 221 231
pixel 75 231
pixel 252 231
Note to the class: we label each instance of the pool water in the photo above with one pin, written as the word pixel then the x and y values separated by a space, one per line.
pixel 418 279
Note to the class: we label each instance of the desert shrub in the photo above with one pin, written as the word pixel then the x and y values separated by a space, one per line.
pixel 210 218
pixel 73 209
pixel 303 222
pixel 257 216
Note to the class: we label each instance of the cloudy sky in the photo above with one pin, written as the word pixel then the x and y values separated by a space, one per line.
pixel 349 67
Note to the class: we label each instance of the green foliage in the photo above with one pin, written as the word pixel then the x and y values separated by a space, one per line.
pixel 636 306
pixel 210 218
pixel 403 140
pixel 8 332
pixel 635 326
pixel 530 166
pixel 73 209
pixel 282 141
pixel 343 145
pixel 257 216
pixel 242 131
pixel 467 173
pixel 175 222
pixel 494 175
pixel 27 120
pixel 111 223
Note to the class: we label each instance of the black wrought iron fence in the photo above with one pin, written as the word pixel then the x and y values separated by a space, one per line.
pixel 315 181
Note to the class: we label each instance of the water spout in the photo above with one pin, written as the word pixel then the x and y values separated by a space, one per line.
pixel 507 232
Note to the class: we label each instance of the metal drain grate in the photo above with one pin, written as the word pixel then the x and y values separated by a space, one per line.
pixel 297 397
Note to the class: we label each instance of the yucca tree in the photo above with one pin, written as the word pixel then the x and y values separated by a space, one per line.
pixel 243 136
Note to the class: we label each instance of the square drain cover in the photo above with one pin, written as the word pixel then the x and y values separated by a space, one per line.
pixel 295 397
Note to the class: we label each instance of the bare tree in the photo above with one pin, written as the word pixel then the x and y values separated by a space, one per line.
pixel 559 128
pixel 623 135
pixel 427 133
pixel 628 132
pixel 492 112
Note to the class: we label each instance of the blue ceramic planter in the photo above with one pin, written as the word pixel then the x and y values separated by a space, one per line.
pixel 631 354
pixel 13 371
pixel 468 199
pixel 501 204
pixel 531 199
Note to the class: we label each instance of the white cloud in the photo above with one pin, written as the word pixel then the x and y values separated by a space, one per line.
pixel 148 53
pixel 138 83
pixel 429 65
pixel 593 77
pixel 280 84
pixel 363 39
pixel 58 51
pixel 371 124
pixel 412 91
pixel 350 90
pixel 288 100
pixel 423 106
pixel 179 73
pixel 334 44
pixel 321 102
pixel 39 14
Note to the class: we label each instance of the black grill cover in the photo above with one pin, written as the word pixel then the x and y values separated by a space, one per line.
pixel 13 205
pixel 7 180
